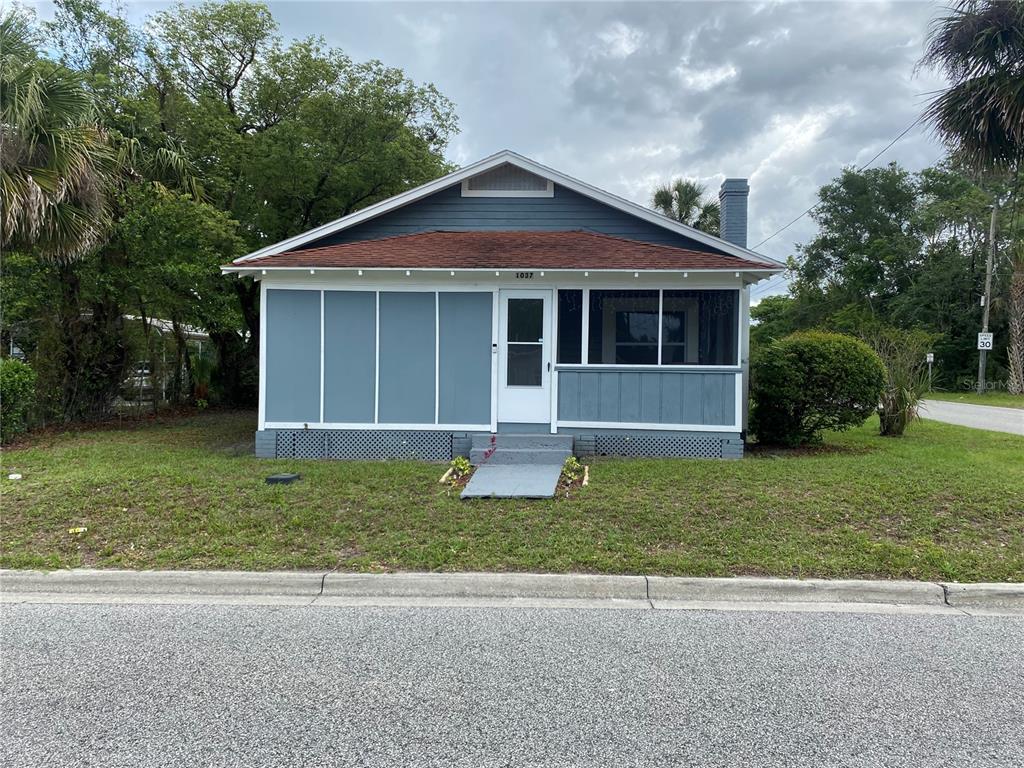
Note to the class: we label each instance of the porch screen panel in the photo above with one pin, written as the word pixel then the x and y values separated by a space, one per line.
pixel 700 328
pixel 349 354
pixel 292 370
pixel 406 364
pixel 465 358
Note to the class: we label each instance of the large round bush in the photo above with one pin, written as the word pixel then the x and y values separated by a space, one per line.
pixel 810 382
pixel 17 395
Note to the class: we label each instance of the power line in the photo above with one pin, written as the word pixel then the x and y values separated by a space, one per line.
pixel 878 154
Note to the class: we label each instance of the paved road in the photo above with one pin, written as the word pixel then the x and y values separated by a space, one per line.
pixel 977 416
pixel 201 685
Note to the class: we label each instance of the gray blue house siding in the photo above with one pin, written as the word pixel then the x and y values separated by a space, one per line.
pixel 292 373
pixel 402 365
pixel 407 352
pixel 350 342
pixel 465 358
pixel 648 397
pixel 567 210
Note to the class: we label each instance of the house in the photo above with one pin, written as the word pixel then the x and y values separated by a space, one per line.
pixel 506 298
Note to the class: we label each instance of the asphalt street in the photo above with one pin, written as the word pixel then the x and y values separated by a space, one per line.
pixel 202 685
pixel 977 416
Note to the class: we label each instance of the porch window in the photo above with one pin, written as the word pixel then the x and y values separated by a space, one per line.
pixel 649 327
pixel 623 327
pixel 570 326
pixel 525 343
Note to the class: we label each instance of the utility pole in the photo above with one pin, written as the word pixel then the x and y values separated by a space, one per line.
pixel 987 298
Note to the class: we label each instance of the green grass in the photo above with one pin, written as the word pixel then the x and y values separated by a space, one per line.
pixel 941 503
pixel 1001 399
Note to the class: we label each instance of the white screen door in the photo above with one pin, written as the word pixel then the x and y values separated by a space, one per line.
pixel 524 357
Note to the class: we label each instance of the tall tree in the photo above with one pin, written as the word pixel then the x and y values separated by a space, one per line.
pixel 281 136
pixel 685 201
pixel 55 161
pixel 979 47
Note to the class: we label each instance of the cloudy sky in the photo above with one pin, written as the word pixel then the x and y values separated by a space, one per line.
pixel 626 95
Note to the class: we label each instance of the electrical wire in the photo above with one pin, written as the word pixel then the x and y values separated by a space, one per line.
pixel 878 154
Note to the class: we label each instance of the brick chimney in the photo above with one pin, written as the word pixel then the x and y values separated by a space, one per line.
pixel 732 198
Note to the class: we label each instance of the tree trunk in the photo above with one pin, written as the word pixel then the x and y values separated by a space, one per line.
pixel 183 362
pixel 1016 347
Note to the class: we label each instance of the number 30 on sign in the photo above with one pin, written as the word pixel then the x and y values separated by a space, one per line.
pixel 984 341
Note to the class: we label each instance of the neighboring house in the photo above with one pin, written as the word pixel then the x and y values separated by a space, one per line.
pixel 506 297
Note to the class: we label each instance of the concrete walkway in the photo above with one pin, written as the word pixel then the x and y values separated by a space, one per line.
pixel 976 416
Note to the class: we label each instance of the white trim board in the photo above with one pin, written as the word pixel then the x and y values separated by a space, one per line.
pixel 654 427
pixel 410 427
pixel 486 164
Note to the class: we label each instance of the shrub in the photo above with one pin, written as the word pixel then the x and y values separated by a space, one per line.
pixel 17 396
pixel 903 354
pixel 810 382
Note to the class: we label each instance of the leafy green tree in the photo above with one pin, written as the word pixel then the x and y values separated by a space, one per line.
pixel 280 137
pixel 868 243
pixel 684 200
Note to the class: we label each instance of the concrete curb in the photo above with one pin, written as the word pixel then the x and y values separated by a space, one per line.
pixel 487 585
pixel 796 590
pixel 91 582
pixel 492 588
pixel 1007 597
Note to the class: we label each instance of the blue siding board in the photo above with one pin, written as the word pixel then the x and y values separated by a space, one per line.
pixel 692 405
pixel 569 396
pixel 465 358
pixel 349 352
pixel 448 210
pixel 292 369
pixel 609 402
pixel 711 398
pixel 656 397
pixel 590 394
pixel 406 367
pixel 672 399
pixel 629 397
pixel 650 398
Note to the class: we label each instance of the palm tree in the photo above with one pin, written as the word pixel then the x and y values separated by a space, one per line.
pixel 55 162
pixel 979 47
pixel 684 201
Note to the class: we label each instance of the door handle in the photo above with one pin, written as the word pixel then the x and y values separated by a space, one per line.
pixel 549 366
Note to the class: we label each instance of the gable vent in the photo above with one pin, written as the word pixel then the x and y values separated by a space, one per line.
pixel 507 180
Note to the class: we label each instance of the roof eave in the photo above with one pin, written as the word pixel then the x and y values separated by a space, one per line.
pixel 255 268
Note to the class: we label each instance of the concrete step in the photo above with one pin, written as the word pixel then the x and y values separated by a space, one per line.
pixel 501 455
pixel 542 441
pixel 528 481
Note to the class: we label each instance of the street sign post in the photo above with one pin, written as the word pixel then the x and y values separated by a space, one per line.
pixel 985 341
pixel 929 358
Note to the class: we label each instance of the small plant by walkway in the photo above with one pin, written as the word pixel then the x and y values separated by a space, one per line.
pixel 941 503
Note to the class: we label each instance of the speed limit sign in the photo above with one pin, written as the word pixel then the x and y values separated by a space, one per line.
pixel 984 341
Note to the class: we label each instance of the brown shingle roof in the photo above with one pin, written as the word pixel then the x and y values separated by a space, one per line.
pixel 505 250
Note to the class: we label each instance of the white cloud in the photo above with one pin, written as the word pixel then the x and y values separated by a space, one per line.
pixel 620 40
pixel 700 80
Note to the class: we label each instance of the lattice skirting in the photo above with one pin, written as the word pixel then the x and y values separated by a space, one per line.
pixel 424 445
pixel 682 445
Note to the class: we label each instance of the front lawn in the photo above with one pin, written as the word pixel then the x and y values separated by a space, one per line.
pixel 942 503
pixel 1001 399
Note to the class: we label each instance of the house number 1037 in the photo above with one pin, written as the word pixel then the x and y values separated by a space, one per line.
pixel 524 275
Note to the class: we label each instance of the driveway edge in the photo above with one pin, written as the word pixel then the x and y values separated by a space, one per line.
pixel 514 588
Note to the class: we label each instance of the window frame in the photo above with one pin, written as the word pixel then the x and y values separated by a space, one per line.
pixel 585 334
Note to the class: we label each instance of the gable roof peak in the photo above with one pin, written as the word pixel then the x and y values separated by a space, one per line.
pixel 486 164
